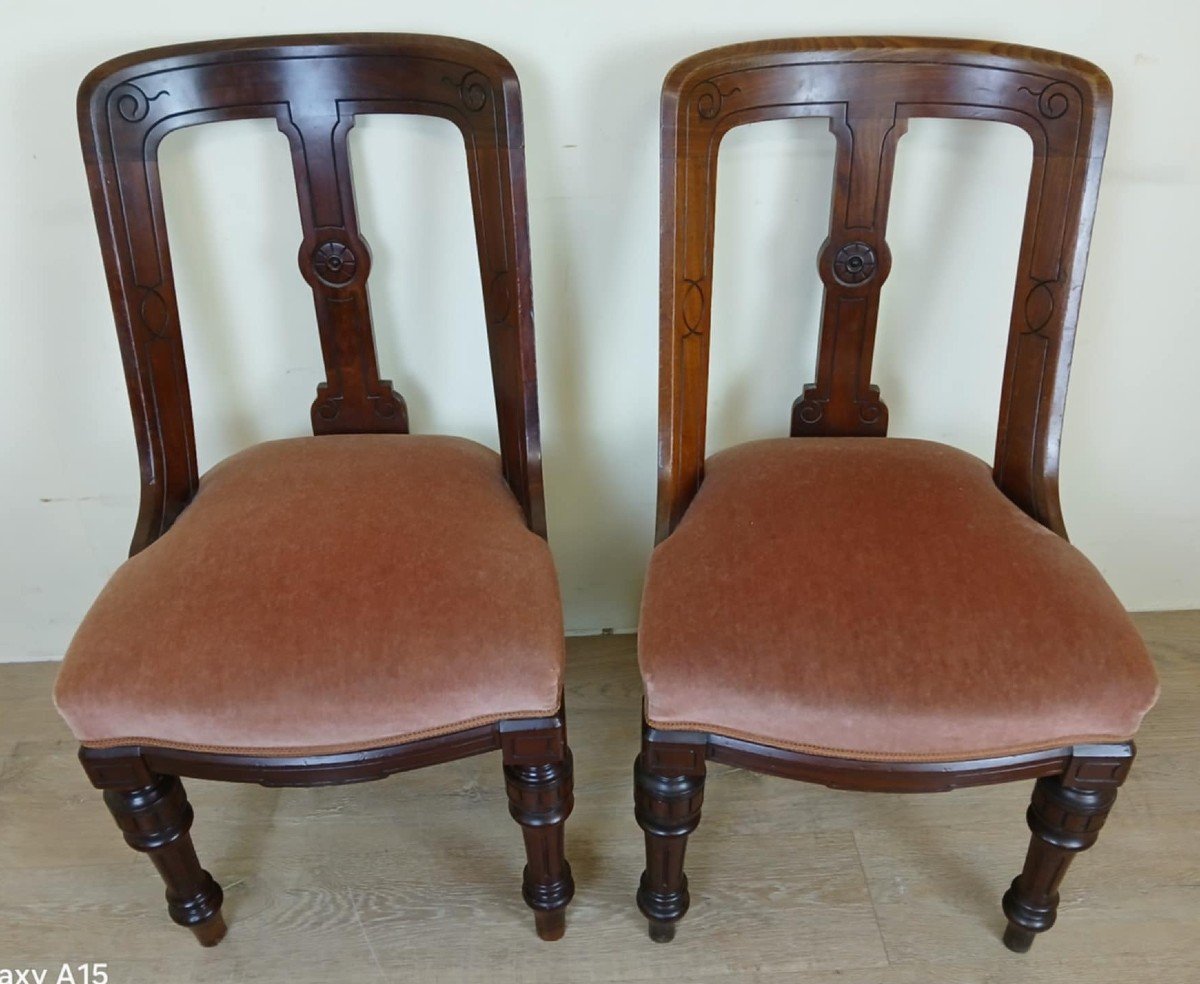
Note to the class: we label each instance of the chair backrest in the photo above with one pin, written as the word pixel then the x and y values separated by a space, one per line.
pixel 313 87
pixel 869 88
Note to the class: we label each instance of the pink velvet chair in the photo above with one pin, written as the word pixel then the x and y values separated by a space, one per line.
pixel 868 612
pixel 339 607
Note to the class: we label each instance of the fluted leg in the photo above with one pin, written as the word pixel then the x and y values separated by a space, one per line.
pixel 156 819
pixel 667 804
pixel 540 798
pixel 1064 821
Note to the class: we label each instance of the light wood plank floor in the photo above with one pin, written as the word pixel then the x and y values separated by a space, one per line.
pixel 417 878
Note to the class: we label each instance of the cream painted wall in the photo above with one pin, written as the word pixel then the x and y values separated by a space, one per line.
pixel 591 74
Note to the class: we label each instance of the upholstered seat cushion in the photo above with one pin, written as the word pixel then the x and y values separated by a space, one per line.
pixel 325 594
pixel 881 599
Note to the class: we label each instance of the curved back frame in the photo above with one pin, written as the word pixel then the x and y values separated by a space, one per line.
pixel 313 87
pixel 869 88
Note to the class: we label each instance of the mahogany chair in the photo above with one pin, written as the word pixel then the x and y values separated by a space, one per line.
pixel 864 612
pixel 334 608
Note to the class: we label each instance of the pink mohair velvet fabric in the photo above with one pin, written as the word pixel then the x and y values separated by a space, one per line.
pixel 324 594
pixel 881 599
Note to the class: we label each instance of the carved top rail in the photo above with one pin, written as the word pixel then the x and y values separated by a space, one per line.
pixel 313 87
pixel 869 88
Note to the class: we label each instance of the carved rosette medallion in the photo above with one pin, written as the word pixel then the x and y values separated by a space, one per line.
pixel 854 264
pixel 334 263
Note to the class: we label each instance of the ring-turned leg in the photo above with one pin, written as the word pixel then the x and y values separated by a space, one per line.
pixel 540 798
pixel 156 819
pixel 1065 818
pixel 668 792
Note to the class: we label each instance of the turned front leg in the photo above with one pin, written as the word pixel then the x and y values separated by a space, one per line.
pixel 667 806
pixel 1064 821
pixel 156 820
pixel 540 798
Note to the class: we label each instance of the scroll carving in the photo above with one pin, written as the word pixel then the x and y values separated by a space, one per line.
pixel 472 90
pixel 710 97
pixel 1053 100
pixel 133 104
